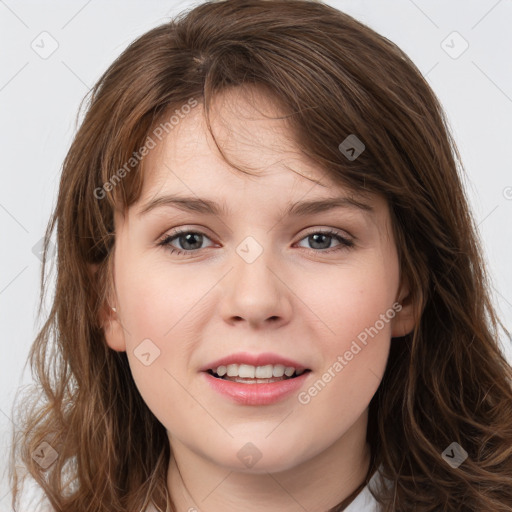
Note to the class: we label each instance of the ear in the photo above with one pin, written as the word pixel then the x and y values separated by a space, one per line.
pixel 408 312
pixel 110 320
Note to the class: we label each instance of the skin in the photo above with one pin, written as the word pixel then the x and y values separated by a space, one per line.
pixel 294 299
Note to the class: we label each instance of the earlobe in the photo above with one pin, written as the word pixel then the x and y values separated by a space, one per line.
pixel 407 316
pixel 113 330
pixel 403 323
pixel 109 320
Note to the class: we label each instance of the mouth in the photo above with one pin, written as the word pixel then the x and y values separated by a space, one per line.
pixel 262 385
pixel 247 374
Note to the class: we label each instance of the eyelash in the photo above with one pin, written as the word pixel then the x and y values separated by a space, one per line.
pixel 345 243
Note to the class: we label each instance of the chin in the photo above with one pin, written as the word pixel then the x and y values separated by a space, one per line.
pixel 253 460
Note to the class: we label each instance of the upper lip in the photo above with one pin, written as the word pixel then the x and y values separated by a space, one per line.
pixel 254 360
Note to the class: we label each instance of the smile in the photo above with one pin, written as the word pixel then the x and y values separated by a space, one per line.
pixel 255 390
pixel 246 373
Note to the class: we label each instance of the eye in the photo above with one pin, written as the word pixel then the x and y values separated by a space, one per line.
pixel 191 241
pixel 318 238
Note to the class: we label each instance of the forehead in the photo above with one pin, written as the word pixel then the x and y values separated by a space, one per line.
pixel 255 135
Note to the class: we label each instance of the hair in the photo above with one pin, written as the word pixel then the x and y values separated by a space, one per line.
pixel 446 381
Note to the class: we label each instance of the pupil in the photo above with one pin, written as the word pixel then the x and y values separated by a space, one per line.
pixel 187 238
pixel 313 240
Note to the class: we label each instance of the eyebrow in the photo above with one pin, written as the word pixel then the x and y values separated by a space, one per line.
pixel 209 207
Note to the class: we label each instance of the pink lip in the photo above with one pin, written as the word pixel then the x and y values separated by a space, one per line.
pixel 256 394
pixel 253 360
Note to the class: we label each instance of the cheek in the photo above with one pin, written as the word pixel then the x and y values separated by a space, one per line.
pixel 158 306
pixel 355 314
pixel 342 389
pixel 346 301
pixel 157 302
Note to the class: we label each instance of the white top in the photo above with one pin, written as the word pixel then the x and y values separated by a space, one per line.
pixel 364 501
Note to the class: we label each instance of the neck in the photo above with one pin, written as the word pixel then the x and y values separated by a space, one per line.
pixel 320 482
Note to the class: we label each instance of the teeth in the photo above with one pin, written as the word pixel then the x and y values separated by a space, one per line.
pixel 247 371
pixel 263 372
pixel 289 371
pixel 232 370
pixel 278 370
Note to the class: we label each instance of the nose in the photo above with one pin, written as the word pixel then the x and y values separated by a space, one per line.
pixel 256 292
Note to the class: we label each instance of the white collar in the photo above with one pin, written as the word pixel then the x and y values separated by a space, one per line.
pixel 364 501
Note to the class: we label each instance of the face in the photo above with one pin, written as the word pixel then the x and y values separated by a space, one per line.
pixel 311 289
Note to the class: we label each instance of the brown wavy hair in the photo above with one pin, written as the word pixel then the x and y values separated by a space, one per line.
pixel 447 381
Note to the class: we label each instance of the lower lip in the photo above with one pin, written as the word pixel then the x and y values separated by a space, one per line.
pixel 256 394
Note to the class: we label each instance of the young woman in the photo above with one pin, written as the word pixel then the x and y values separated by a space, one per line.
pixel 270 293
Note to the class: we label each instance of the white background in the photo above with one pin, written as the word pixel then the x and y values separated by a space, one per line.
pixel 39 99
